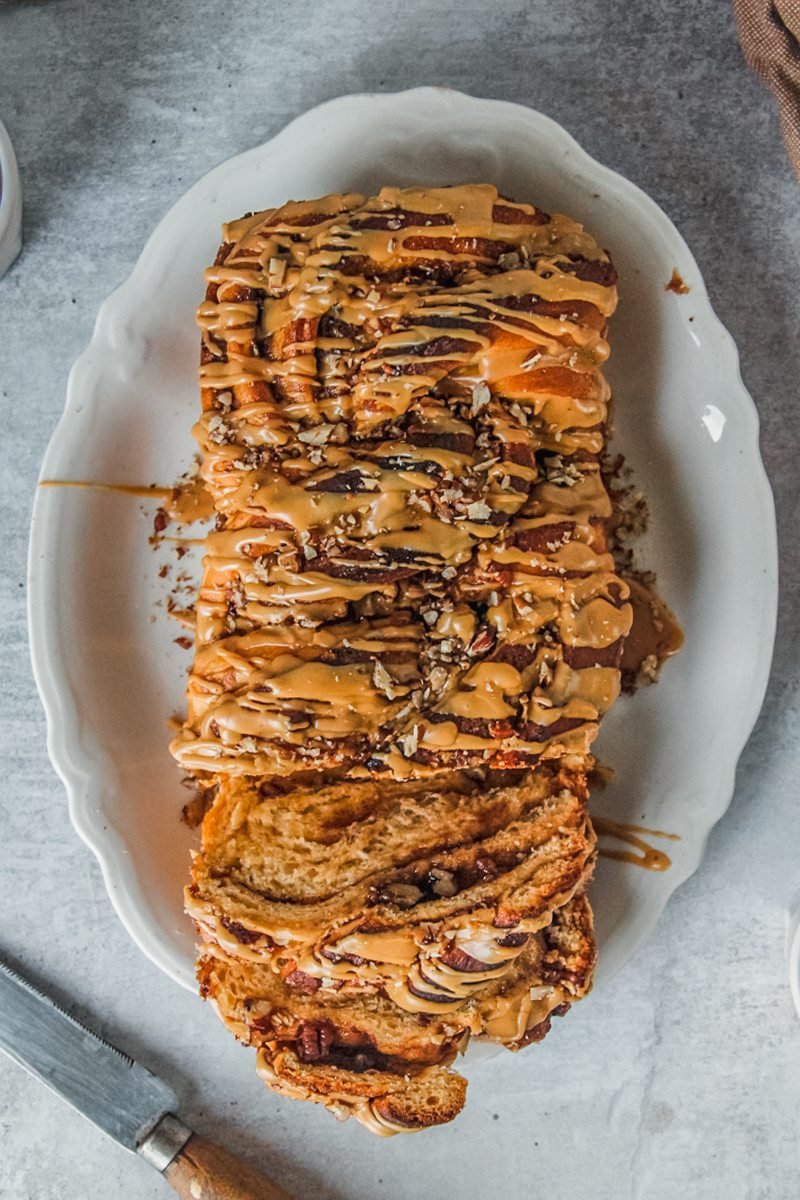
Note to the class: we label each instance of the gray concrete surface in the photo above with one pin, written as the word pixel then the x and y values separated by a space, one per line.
pixel 682 1077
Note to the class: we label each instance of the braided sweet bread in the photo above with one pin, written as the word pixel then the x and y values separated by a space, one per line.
pixel 408 628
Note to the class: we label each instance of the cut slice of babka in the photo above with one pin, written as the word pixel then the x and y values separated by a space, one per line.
pixel 361 1055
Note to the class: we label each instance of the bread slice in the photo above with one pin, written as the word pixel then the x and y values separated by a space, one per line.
pixel 362 1030
pixel 367 884
pixel 258 1004
pixel 360 1055
pixel 385 1104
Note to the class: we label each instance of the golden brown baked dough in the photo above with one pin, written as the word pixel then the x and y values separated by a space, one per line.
pixel 348 1050
pixel 409 623
pixel 409 888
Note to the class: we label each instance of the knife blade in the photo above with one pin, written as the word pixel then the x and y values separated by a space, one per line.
pixel 119 1095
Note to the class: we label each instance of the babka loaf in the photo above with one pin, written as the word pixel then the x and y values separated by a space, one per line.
pixel 409 626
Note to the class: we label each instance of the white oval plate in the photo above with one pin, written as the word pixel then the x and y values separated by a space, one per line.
pixel 110 674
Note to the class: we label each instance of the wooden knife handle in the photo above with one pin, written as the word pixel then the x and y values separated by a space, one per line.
pixel 203 1171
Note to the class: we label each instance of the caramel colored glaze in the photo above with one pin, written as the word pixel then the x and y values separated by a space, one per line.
pixel 510 1016
pixel 403 407
pixel 125 489
pixel 654 635
pixel 676 284
pixel 184 503
pixel 641 854
pixel 189 502
pixel 184 616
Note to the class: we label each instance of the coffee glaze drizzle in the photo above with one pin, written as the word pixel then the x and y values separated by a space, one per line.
pixel 654 635
pixel 125 489
pixel 641 853
pixel 403 409
pixel 184 502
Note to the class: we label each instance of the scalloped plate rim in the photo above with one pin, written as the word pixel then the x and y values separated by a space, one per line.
pixel 74 756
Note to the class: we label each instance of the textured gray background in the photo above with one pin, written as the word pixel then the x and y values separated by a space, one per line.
pixel 682 1077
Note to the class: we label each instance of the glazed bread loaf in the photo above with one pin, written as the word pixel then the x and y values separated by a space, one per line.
pixel 409 627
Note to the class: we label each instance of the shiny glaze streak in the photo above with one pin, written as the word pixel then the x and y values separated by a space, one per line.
pixel 640 853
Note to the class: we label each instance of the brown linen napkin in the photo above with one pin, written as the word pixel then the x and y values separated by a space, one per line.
pixel 769 31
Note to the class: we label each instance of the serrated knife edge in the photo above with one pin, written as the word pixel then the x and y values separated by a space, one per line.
pixel 106 1085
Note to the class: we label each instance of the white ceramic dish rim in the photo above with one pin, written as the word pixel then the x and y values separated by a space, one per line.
pixel 77 762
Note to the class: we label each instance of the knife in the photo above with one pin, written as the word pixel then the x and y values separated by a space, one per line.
pixel 126 1101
